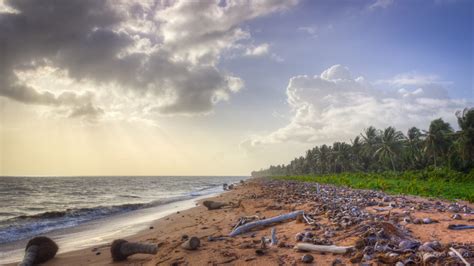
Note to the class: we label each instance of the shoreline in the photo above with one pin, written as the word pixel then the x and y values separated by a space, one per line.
pixel 267 199
pixel 104 230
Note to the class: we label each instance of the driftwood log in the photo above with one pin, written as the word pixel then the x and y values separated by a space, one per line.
pixel 191 244
pixel 215 205
pixel 266 222
pixel 274 240
pixel 322 248
pixel 39 250
pixel 121 249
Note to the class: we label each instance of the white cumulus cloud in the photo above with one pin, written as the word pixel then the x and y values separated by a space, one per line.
pixel 336 106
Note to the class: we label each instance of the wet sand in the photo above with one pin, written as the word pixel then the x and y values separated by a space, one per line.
pixel 265 199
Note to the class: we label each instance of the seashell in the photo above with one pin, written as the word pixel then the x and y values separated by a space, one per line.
pixel 457 216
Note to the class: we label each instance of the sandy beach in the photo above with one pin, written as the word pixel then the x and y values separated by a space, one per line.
pixel 267 199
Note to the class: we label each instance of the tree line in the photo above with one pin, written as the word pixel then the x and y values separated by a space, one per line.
pixel 377 150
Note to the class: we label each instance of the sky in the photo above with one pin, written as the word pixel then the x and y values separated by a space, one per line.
pixel 96 87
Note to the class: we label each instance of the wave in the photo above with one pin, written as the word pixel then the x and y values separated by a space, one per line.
pixel 25 226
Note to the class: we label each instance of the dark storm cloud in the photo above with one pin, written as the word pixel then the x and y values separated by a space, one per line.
pixel 85 38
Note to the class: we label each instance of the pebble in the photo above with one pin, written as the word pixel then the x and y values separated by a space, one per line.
pixel 307 258
pixel 427 220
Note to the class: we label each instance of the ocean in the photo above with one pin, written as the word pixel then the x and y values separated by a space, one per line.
pixel 31 206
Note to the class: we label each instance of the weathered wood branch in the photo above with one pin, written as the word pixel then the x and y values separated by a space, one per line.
pixel 460 256
pixel 39 250
pixel 274 240
pixel 262 223
pixel 214 205
pixel 322 248
pixel 121 249
pixel 30 256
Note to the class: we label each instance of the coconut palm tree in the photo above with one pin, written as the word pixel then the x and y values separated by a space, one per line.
pixel 438 141
pixel 466 135
pixel 390 145
pixel 414 145
pixel 370 139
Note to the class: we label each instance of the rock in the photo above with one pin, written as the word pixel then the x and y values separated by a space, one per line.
pixel 408 245
pixel 299 237
pixel 386 199
pixel 427 220
pixel 456 216
pixel 307 258
pixel 191 244
pixel 151 227
pixel 260 252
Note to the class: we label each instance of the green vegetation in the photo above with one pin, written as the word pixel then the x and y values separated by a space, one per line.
pixel 438 162
pixel 442 183
pixel 376 151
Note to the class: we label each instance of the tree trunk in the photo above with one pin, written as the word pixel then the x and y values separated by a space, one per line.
pixel 137 248
pixel 30 256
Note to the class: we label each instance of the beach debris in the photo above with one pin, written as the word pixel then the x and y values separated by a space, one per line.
pixel 263 243
pixel 244 220
pixel 460 226
pixel 459 256
pixel 428 220
pixel 260 252
pixel 274 240
pixel 191 244
pixel 39 250
pixel 214 205
pixel 307 258
pixel 121 249
pixel 323 248
pixel 265 222
pixel 215 238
